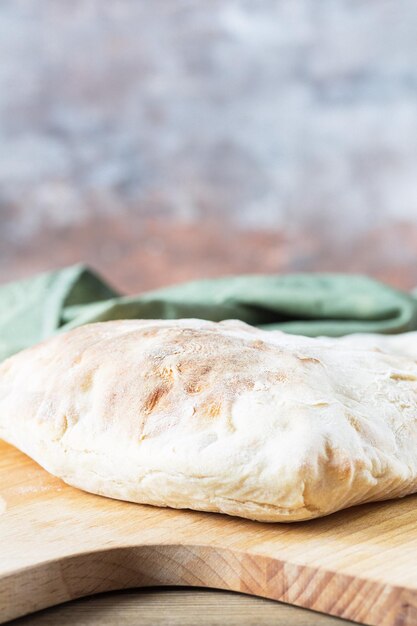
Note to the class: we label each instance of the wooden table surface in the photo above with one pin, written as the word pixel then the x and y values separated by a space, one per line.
pixel 176 607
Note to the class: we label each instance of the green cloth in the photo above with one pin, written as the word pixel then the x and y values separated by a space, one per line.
pixel 306 304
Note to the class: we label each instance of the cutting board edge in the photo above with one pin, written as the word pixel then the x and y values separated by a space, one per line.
pixel 59 580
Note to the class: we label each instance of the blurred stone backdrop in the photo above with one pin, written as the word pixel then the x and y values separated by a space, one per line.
pixel 161 140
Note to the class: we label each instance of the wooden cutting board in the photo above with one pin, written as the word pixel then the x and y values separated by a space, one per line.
pixel 58 543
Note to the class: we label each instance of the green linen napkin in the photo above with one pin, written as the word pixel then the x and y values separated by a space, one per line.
pixel 306 304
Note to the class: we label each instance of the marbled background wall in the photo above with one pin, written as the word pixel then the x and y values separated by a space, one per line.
pixel 166 139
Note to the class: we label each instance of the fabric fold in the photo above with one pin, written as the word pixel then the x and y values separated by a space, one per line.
pixel 306 304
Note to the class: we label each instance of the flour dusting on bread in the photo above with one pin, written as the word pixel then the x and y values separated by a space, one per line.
pixel 218 416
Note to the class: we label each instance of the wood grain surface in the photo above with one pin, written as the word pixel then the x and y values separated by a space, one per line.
pixel 176 607
pixel 58 543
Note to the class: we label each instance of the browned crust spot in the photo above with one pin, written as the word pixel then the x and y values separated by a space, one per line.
pixel 274 377
pixel 307 359
pixel 154 398
pixel 166 373
pixel 151 332
pixel 258 344
pixel 87 381
pixel 199 370
pixel 64 424
pixel 339 465
pixel 192 388
pixel 354 422
pixel 402 376
pixel 210 409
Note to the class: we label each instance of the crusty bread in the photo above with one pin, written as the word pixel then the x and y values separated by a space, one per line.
pixel 218 416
